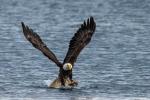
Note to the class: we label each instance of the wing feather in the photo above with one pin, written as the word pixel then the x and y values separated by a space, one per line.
pixel 37 42
pixel 81 38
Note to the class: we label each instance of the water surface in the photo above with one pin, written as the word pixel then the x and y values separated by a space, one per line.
pixel 114 66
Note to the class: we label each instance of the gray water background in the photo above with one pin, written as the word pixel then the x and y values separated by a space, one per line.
pixel 114 66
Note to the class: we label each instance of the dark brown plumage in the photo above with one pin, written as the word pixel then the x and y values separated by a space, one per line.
pixel 37 42
pixel 81 38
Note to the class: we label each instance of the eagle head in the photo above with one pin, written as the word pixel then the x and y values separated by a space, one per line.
pixel 67 66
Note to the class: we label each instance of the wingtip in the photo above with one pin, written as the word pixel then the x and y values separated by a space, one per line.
pixel 22 23
pixel 89 23
pixel 92 22
pixel 92 19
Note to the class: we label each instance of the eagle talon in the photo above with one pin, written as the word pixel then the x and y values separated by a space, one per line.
pixel 73 83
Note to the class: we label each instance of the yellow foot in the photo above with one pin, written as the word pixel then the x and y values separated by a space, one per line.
pixel 73 83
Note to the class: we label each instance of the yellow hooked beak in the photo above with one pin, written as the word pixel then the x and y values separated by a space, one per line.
pixel 67 66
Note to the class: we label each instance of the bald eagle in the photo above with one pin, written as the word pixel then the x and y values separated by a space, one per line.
pixel 81 38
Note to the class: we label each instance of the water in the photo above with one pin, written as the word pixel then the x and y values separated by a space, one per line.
pixel 114 66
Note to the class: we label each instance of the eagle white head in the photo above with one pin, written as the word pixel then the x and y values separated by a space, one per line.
pixel 67 66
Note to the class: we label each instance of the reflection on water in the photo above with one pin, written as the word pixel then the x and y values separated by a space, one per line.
pixel 115 65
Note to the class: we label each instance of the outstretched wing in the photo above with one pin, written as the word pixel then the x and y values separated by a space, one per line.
pixel 81 38
pixel 37 42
